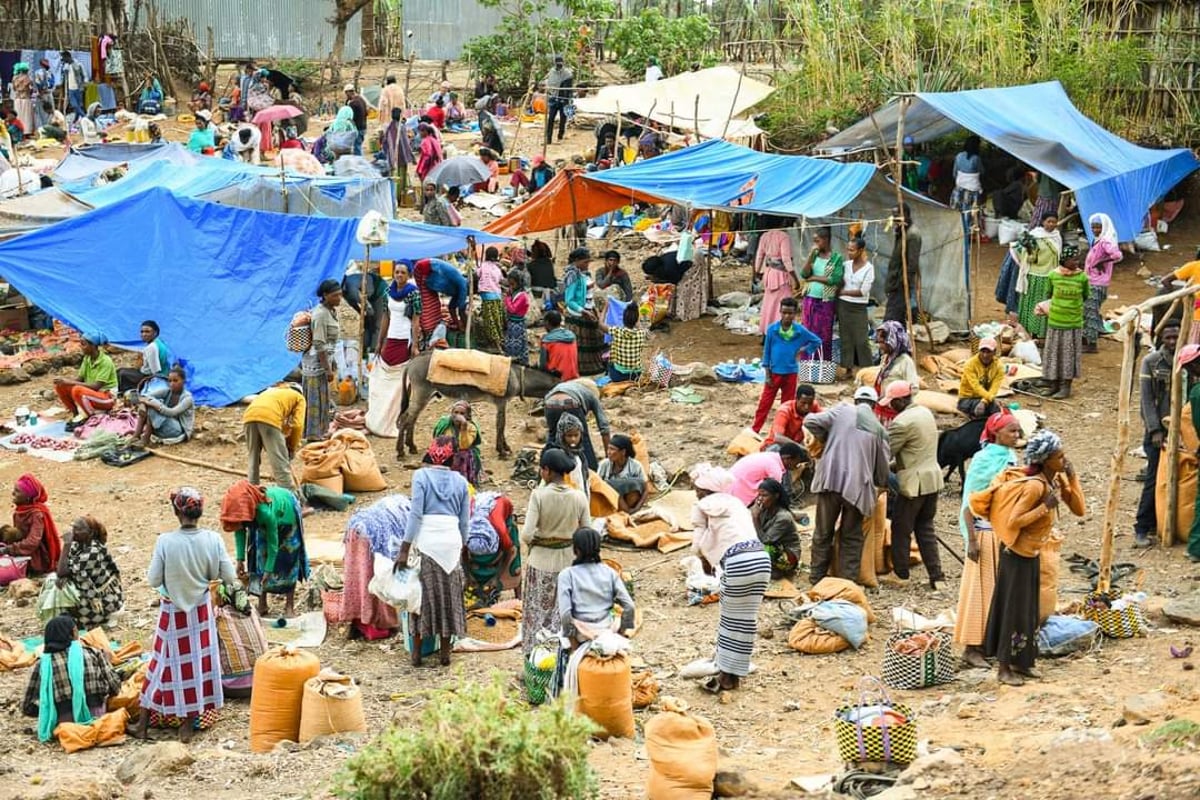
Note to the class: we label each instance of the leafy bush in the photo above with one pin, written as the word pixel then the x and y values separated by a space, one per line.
pixel 475 741
pixel 676 43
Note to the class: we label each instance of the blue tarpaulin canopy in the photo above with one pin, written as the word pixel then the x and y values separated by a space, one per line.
pixel 223 283
pixel 717 174
pixel 1039 125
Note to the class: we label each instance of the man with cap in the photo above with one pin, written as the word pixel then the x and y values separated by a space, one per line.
pixel 560 86
pixel 318 368
pixel 359 106
pixel 1155 395
pixel 913 436
pixel 852 468
pixel 273 423
pixel 981 381
pixel 1189 360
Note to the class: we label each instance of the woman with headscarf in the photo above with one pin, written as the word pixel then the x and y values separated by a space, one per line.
pixel 39 541
pixel 268 534
pixel 92 391
pixel 89 126
pixel 396 341
pixel 460 427
pixel 824 270
pixel 1098 266
pixel 22 93
pixel 1000 435
pixel 1022 506
pixel 438 525
pixel 202 140
pixel 516 307
pixel 317 367
pixel 568 437
pixel 183 681
pixel 723 536
pixel 1037 253
pixel 151 98
pixel 430 154
pixel 489 127
pixel 776 527
pixel 623 472
pixel 87 565
pixel 201 98
pixel 555 512
pixel 968 174
pixel 341 133
pixel 589 591
pixel 896 364
pixel 167 413
pixel 1062 354
pixel 71 682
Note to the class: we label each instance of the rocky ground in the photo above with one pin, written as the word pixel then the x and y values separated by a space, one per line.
pixel 1083 731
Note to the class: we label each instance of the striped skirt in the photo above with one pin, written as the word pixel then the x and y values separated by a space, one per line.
pixel 745 574
pixel 1037 289
pixel 184 676
pixel 442 610
pixel 589 341
pixel 975 591
pixel 1093 320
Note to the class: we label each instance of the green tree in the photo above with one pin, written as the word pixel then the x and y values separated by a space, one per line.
pixel 676 43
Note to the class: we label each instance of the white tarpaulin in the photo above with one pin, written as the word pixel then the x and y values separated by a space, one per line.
pixel 674 100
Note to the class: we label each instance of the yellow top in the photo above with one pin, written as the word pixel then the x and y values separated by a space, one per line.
pixel 980 382
pixel 1190 272
pixel 280 407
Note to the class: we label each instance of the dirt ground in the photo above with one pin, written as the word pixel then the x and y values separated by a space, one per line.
pixel 1017 742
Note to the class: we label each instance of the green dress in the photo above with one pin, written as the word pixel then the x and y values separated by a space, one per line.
pixel 273 545
pixel 1041 262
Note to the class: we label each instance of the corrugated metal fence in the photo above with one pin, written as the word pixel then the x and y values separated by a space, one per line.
pixel 441 27
pixel 265 28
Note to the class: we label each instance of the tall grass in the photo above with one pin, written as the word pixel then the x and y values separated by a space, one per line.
pixel 850 56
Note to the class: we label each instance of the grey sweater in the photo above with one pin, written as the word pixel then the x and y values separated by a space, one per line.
pixel 185 560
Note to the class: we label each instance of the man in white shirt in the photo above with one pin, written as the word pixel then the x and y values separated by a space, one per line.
pixel 247 143
pixel 653 71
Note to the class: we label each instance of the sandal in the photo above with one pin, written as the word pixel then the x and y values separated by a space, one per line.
pixel 711 685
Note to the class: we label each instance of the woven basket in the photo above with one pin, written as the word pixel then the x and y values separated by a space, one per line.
pixel 537 683
pixel 331 604
pixel 891 744
pixel 1124 624
pixel 933 668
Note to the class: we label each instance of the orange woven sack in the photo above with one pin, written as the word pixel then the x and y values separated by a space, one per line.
pixel 101 732
pixel 360 472
pixel 682 749
pixel 321 463
pixel 1048 577
pixel 811 639
pixel 606 694
pixel 279 676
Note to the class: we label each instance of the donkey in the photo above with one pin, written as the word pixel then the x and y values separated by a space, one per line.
pixel 418 390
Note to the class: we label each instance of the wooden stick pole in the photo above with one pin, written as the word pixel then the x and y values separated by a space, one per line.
pixel 471 285
pixel 1118 457
pixel 898 177
pixel 1171 453
pixel 362 316
pixel 191 462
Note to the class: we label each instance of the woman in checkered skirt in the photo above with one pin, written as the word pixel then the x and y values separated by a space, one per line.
pixel 183 683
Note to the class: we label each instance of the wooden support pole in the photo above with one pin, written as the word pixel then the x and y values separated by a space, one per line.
pixel 898 177
pixel 472 268
pixel 1171 529
pixel 362 316
pixel 191 462
pixel 1118 456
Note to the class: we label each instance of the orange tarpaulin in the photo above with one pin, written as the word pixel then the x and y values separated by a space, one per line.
pixel 568 197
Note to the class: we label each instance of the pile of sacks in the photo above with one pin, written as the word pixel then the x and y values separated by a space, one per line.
pixel 343 463
pixel 832 616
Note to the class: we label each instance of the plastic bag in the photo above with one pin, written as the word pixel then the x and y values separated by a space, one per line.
pixel 56 598
pixel 843 618
pixel 398 588
pixel 1061 635
pixel 1027 351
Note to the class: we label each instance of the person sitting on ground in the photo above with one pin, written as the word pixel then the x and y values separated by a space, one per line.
pixel 492 184
pixel 16 128
pixel 89 568
pixel 776 528
pixel 90 127
pixel 56 123
pixel 155 133
pixel 71 683
pixel 624 473
pixel 201 98
pixel 981 381
pixel 274 422
pixel 456 114
pixel 460 426
pixel 751 470
pixel 628 351
pixel 559 352
pixel 154 361
pixel 589 591
pixel 39 540
pixel 606 154
pixel 437 113
pixel 540 173
pixel 268 535
pixel 788 425
pixel 167 413
pixel 202 141
pixel 91 392
pixel 613 275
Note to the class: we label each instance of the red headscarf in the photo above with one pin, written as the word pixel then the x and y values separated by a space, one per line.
pixel 440 451
pixel 995 423
pixel 46 558
pixel 240 504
